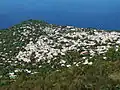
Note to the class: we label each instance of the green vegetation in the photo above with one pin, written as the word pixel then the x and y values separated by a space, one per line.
pixel 101 75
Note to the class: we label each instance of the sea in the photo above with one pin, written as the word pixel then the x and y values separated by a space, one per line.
pixel 100 14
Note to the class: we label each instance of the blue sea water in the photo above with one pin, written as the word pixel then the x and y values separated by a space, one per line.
pixel 101 14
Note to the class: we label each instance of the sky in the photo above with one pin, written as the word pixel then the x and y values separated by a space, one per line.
pixel 104 14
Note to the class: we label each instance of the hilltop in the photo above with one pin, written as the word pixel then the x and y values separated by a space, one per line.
pixel 34 47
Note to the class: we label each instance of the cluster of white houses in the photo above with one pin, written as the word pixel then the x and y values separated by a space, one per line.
pixel 59 40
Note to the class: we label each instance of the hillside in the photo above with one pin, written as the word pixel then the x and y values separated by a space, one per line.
pixel 35 55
